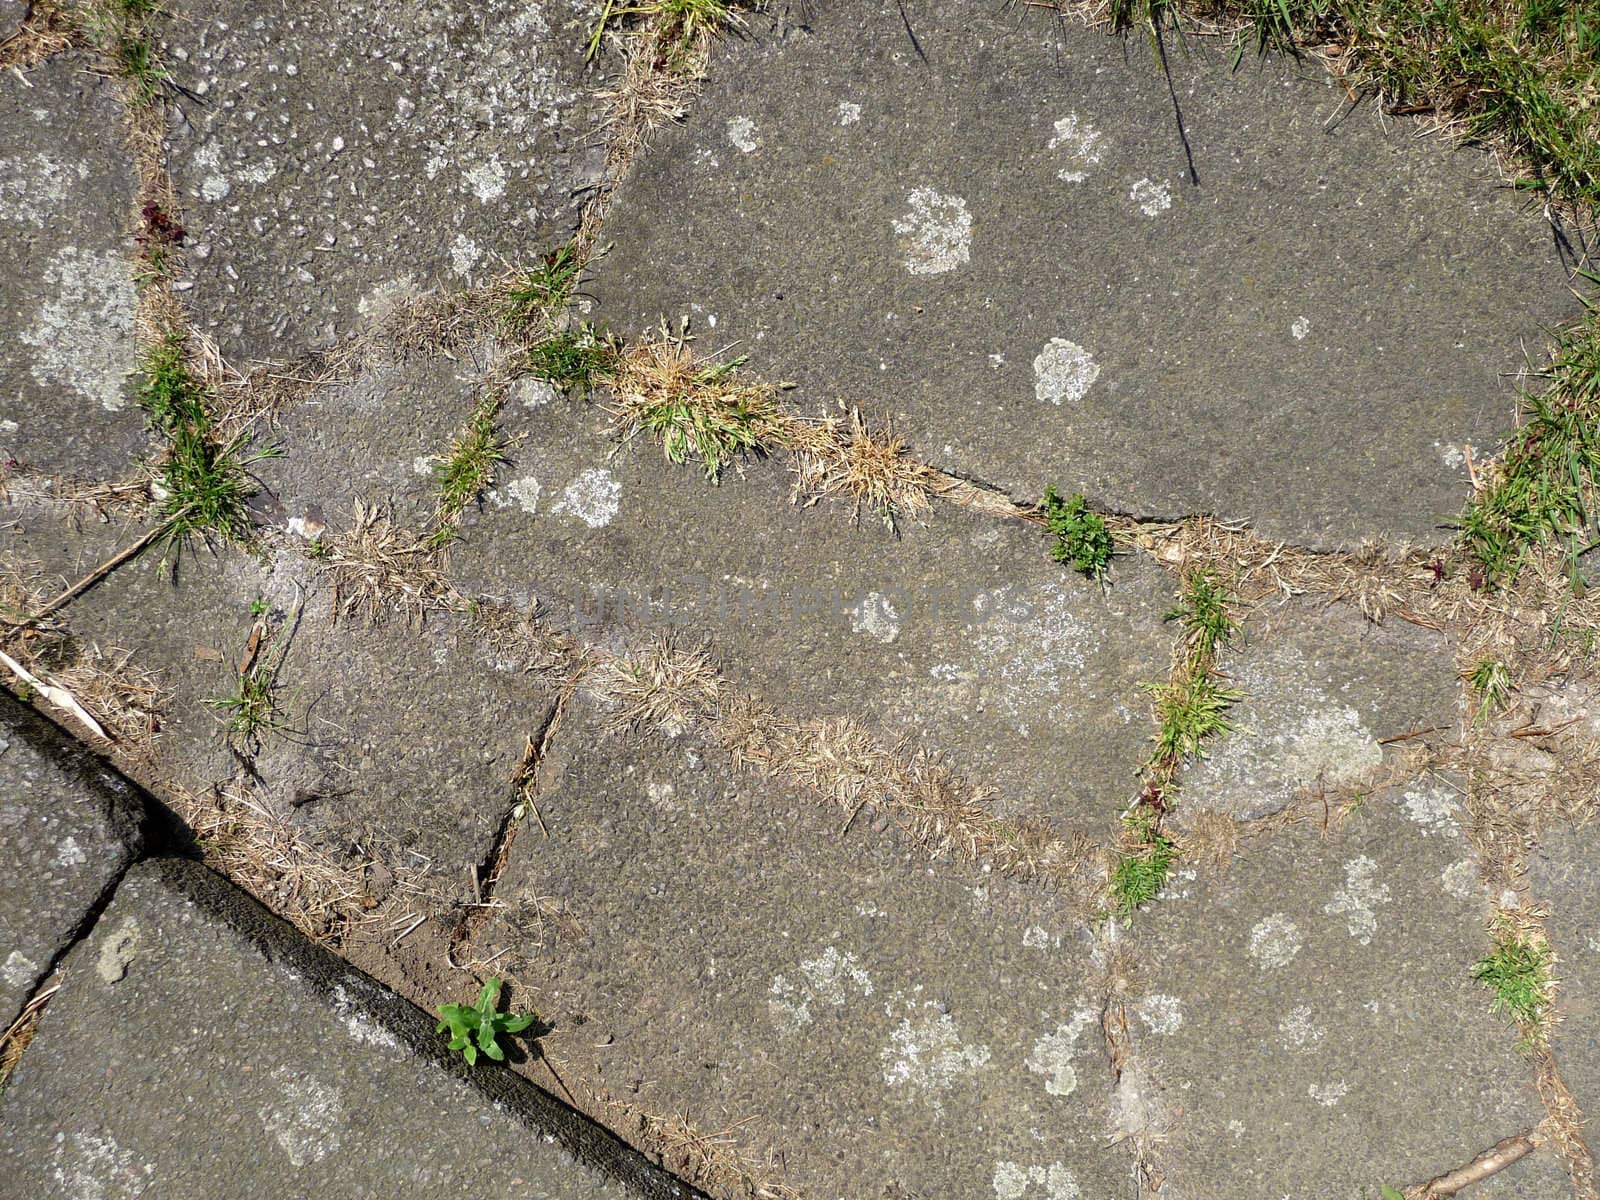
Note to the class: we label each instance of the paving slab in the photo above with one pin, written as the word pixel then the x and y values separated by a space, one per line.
pixel 12 15
pixel 1563 875
pixel 1318 999
pixel 334 157
pixel 722 951
pixel 67 299
pixel 961 632
pixel 396 739
pixel 199 1047
pixel 69 827
pixel 998 241
pixel 1323 689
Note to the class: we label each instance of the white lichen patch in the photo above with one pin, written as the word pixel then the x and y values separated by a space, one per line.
pixel 849 112
pixel 1299 328
pixel 91 1166
pixel 661 795
pixel 1328 1094
pixel 358 1026
pixel 925 1052
pixel 1161 1014
pixel 18 971
pixel 1299 1030
pixel 1081 143
pixel 535 393
pixel 424 464
pixel 1036 937
pixel 1433 808
pixel 308 1118
pixel 1274 941
pixel 486 180
pixel 1053 1053
pixel 876 617
pixel 464 255
pixel 1462 880
pixel 526 492
pixel 935 235
pixel 742 133
pixel 84 337
pixel 69 854
pixel 1152 198
pixel 594 497
pixel 118 949
pixel 1357 899
pixel 830 978
pixel 1063 370
pixel 1053 1182
pixel 1022 649
pixel 34 187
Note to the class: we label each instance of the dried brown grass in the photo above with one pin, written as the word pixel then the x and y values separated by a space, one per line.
pixel 379 567
pixel 47 31
pixel 873 469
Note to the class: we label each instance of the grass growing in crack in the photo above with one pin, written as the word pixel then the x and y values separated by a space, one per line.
pixel 1517 971
pixel 478 1026
pixel 251 708
pixel 120 29
pixel 1541 489
pixel 871 467
pixel 1082 539
pixel 673 25
pixel 1490 681
pixel 704 411
pixel 542 292
pixel 1189 711
pixel 573 360
pixel 1203 610
pixel 469 467
pixel 1142 870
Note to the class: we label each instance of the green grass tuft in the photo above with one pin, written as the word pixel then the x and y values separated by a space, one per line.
pixel 251 708
pixel 477 1027
pixel 1142 871
pixel 469 467
pixel 675 25
pixel 1203 609
pixel 573 360
pixel 1188 712
pixel 714 420
pixel 1518 973
pixel 1490 681
pixel 1082 539
pixel 541 293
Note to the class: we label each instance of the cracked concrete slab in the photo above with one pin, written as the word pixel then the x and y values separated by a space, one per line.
pixel 331 159
pixel 198 1047
pixel 1323 687
pixel 1302 978
pixel 1003 249
pixel 67 299
pixel 961 633
pixel 708 943
pixel 68 828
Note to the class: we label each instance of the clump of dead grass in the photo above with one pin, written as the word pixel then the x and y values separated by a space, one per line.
pixel 379 567
pixel 873 469
pixel 20 1033
pixel 660 688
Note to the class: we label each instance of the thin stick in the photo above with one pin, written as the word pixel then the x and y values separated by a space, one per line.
pixel 100 572
pixel 1497 1158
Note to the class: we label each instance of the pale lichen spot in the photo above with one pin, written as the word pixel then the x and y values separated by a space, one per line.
pixel 118 950
pixel 1054 1182
pixel 1160 1014
pixel 876 617
pixel 1053 1053
pixel 464 255
pixel 660 793
pixel 424 464
pixel 1036 937
pixel 849 112
pixel 381 300
pixel 33 188
pixel 1462 880
pixel 69 853
pixel 925 1052
pixel 1356 900
pixel 1299 1030
pixel 18 971
pixel 1274 941
pixel 525 492
pixel 89 1166
pixel 742 133
pixel 1300 327
pixel 84 337
pixel 308 1118
pixel 486 180
pixel 1328 1094
pixel 1433 808
pixel 830 979
pixel 1063 370
pixel 1152 198
pixel 535 393
pixel 594 497
pixel 935 235
pixel 1081 142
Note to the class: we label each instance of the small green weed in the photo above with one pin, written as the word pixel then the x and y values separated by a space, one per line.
pixel 573 360
pixel 1082 539
pixel 1490 681
pixel 676 25
pixel 477 1027
pixel 1142 871
pixel 168 393
pixel 1189 711
pixel 1518 973
pixel 251 708
pixel 541 292
pixel 713 423
pixel 1390 1193
pixel 469 467
pixel 1203 609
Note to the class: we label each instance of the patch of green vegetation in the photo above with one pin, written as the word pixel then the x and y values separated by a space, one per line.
pixel 1518 973
pixel 712 417
pixel 1082 539
pixel 204 483
pixel 1203 610
pixel 573 360
pixel 1141 871
pixel 1390 1193
pixel 1541 489
pixel 478 1026
pixel 120 29
pixel 676 25
pixel 251 708
pixel 469 467
pixel 1490 681
pixel 541 292
pixel 1189 711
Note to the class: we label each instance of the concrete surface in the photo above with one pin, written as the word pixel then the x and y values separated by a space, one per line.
pixel 1564 875
pixel 199 1047
pixel 68 828
pixel 67 293
pixel 1002 248
pixel 330 159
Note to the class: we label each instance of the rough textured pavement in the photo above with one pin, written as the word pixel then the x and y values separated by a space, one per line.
pixel 1004 251
pixel 68 828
